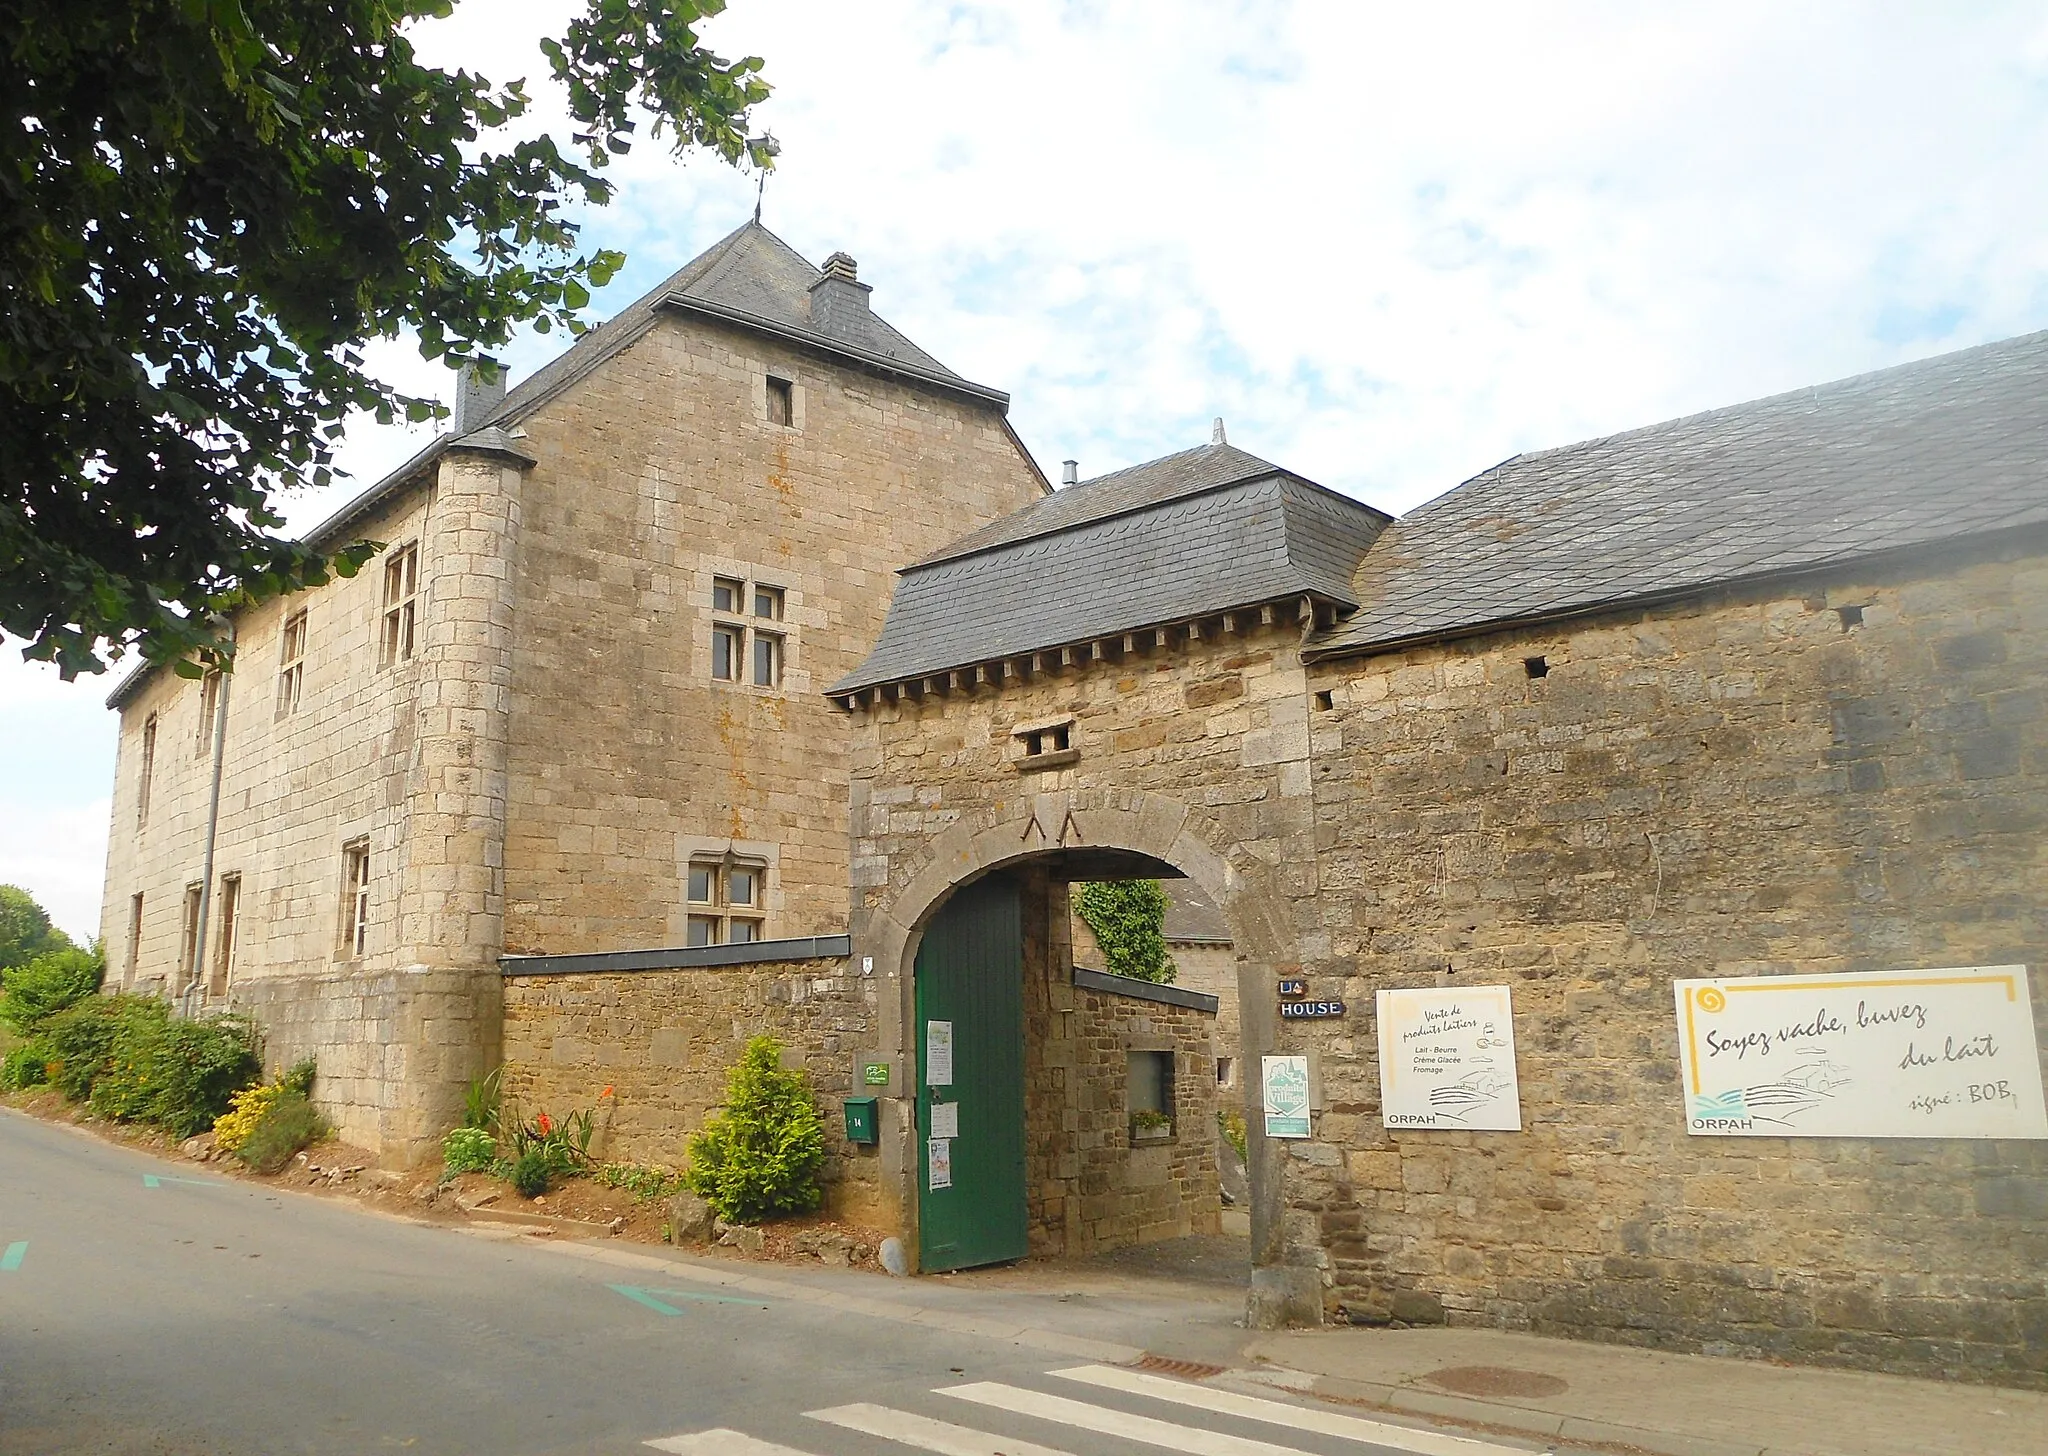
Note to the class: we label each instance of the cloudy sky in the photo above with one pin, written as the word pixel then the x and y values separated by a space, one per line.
pixel 1390 245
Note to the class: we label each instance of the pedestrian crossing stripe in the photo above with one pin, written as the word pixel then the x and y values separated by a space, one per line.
pixel 1273 1412
pixel 1187 1440
pixel 923 1433
pixel 11 1260
pixel 926 1434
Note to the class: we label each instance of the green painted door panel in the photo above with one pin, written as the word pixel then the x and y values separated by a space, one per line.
pixel 970 977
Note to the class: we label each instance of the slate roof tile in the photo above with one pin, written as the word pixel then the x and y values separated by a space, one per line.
pixel 1925 452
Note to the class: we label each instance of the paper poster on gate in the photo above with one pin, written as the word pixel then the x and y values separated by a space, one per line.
pixel 938 1053
pixel 1284 1083
pixel 1447 1059
pixel 945 1119
pixel 1872 1054
pixel 938 1161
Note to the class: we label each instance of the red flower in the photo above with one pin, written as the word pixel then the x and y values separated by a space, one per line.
pixel 606 1093
pixel 544 1125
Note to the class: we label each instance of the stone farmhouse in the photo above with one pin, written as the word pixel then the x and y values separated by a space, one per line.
pixel 1608 737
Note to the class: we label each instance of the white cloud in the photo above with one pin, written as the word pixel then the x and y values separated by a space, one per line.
pixel 58 853
pixel 1392 245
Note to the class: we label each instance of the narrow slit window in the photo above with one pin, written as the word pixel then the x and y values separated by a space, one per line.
pixel 401 603
pixel 781 401
pixel 148 771
pixel 134 939
pixel 355 899
pixel 209 709
pixel 188 941
pixel 229 923
pixel 291 667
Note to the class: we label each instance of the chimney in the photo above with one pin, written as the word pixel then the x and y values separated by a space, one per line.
pixel 839 301
pixel 1070 472
pixel 474 399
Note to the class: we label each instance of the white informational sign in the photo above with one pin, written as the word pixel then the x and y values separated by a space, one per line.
pixel 938 1053
pixel 1447 1059
pixel 1285 1084
pixel 1872 1054
pixel 945 1119
pixel 938 1159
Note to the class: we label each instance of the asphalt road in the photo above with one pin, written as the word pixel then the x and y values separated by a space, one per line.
pixel 149 1307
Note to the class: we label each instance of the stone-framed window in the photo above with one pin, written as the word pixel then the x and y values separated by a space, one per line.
pixel 188 940
pixel 1048 743
pixel 1150 1095
pixel 291 664
pixel 228 919
pixel 209 709
pixel 780 397
pixel 354 939
pixel 148 772
pixel 728 899
pixel 401 604
pixel 749 643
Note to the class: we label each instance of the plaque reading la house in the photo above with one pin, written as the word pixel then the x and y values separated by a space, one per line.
pixel 1872 1054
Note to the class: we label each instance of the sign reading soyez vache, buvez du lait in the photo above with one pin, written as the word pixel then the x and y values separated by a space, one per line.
pixel 1876 1054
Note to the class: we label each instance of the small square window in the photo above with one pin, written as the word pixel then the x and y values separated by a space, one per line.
pixel 745 932
pixel 726 594
pixel 742 886
pixel 768 602
pixel 703 930
pixel 701 878
pixel 781 401
pixel 767 660
pixel 728 651
pixel 723 884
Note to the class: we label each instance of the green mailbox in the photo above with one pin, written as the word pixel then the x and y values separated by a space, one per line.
pixel 863 1125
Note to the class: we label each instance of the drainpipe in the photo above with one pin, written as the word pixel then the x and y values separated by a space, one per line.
pixel 220 741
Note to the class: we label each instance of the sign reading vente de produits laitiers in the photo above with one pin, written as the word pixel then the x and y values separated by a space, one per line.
pixel 1872 1054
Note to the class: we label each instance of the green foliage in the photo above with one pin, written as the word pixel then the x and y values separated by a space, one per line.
pixel 133 1062
pixel 760 1157
pixel 531 1171
pixel 25 929
pixel 468 1150
pixel 1232 1123
pixel 248 1108
pixel 298 1077
pixel 1129 921
pixel 288 1124
pixel 644 1183
pixel 565 1144
pixel 218 205
pixel 23 1066
pixel 480 1101
pixel 47 984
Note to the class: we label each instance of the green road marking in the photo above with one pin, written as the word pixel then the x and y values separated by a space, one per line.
pixel 646 1296
pixel 11 1260
pixel 153 1180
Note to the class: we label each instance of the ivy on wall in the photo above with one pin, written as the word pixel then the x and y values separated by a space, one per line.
pixel 1129 921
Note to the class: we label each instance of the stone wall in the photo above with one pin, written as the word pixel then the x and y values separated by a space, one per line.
pixel 658 473
pixel 1757 785
pixel 664 1040
pixel 1851 775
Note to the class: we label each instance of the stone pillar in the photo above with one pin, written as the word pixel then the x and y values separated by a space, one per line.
pixel 452 885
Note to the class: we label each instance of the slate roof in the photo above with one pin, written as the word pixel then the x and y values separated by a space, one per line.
pixel 1192 916
pixel 750 277
pixel 1926 452
pixel 1195 534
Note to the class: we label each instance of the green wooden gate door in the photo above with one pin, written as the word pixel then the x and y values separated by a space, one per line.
pixel 970 1068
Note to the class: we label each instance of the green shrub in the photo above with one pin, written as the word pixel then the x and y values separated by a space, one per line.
pixel 469 1150
pixel 1128 918
pixel 760 1157
pixel 47 985
pixel 531 1172
pixel 648 1184
pixel 23 1066
pixel 290 1123
pixel 132 1062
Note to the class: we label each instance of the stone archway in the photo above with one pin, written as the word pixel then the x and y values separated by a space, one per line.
pixel 1014 832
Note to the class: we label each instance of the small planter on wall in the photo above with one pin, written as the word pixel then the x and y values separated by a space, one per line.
pixel 1151 1127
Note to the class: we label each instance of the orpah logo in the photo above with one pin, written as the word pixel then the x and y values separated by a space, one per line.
pixel 1721 1109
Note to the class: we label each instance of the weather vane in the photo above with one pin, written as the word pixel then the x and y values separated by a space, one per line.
pixel 762 146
